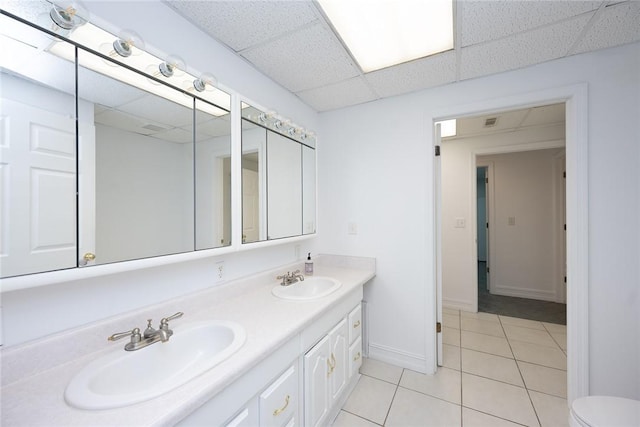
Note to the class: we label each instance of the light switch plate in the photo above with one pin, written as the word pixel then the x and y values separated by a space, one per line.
pixel 352 228
pixel 461 223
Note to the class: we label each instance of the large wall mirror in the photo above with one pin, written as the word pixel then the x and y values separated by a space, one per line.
pixel 150 162
pixel 278 178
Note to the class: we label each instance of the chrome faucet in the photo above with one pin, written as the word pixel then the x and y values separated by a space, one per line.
pixel 290 278
pixel 150 335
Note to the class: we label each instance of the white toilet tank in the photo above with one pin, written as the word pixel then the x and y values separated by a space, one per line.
pixel 604 411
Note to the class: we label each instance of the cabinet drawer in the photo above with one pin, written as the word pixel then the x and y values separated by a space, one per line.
pixel 355 324
pixel 355 357
pixel 246 418
pixel 278 403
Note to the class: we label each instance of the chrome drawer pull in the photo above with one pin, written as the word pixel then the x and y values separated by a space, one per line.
pixel 281 410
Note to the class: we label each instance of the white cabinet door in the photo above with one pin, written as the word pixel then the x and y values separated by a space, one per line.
pixel 338 365
pixel 279 401
pixel 355 324
pixel 355 357
pixel 248 417
pixel 316 383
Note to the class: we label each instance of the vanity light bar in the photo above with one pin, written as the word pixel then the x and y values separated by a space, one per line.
pixel 271 120
pixel 102 41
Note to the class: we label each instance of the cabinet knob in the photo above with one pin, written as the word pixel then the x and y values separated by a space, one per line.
pixel 355 325
pixel 284 408
pixel 356 357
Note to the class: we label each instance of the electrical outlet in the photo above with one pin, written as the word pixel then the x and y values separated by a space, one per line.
pixel 219 272
pixel 352 228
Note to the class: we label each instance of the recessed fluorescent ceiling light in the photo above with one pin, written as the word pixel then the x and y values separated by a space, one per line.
pixel 381 33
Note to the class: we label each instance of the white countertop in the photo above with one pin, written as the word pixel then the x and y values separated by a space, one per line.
pixel 35 379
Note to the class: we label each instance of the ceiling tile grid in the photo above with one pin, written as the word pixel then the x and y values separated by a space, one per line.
pixel 415 75
pixel 241 24
pixel 524 49
pixel 309 58
pixel 291 42
pixel 344 93
pixel 616 25
pixel 491 20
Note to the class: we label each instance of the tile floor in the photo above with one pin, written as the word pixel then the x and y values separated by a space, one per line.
pixel 498 371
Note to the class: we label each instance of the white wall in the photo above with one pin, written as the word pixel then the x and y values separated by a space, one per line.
pixel 143 208
pixel 375 170
pixel 72 304
pixel 525 256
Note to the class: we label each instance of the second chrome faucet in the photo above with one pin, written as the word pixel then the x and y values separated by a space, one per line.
pixel 150 335
pixel 290 278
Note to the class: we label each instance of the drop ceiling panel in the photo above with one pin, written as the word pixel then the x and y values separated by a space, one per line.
pixel 532 47
pixel 548 114
pixel 159 110
pixel 506 120
pixel 179 136
pixel 491 20
pixel 617 24
pixel 127 122
pixel 341 94
pixel 242 24
pixel 306 59
pixel 422 73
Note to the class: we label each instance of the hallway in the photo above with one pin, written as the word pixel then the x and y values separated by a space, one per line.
pixel 524 308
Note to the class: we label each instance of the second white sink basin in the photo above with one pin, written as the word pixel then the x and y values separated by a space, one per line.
pixel 311 287
pixel 122 378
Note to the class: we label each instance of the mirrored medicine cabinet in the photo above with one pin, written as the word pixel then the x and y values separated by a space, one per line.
pixel 278 178
pixel 103 162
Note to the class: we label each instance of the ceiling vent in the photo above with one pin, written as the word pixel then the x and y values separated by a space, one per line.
pixel 491 121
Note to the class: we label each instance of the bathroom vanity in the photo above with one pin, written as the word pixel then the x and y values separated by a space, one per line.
pixel 298 364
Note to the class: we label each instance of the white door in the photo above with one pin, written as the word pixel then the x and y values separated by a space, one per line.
pixel 250 206
pixel 316 383
pixel 38 190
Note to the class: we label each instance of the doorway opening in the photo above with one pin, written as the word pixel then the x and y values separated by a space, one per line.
pixel 574 97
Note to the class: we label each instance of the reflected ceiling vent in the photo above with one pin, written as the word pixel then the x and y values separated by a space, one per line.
pixel 154 128
pixel 491 121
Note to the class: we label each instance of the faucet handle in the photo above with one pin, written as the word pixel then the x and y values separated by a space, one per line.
pixel 164 322
pixel 134 334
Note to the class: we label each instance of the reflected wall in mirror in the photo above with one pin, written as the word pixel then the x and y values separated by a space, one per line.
pixel 278 178
pixel 37 154
pixel 213 176
pixel 144 197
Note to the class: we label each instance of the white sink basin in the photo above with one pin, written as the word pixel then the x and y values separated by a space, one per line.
pixel 310 288
pixel 122 378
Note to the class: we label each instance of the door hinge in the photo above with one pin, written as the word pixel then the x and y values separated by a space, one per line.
pixel 565 227
pixel 565 279
pixel 487 225
pixel 487 270
pixel 486 180
pixel 564 174
pixel 438 327
pixel 437 150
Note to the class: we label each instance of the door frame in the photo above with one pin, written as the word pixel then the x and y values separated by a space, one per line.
pixel 575 98
pixel 488 167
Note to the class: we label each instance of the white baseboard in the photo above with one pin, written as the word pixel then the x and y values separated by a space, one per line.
pixel 396 357
pixel 523 293
pixel 463 305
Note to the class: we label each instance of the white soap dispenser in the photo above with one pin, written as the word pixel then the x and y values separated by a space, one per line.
pixel 308 265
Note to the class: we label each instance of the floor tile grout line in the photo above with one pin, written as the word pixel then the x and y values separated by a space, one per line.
pixel 380 379
pixel 384 422
pixel 535 411
pixel 494 415
pixel 359 416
